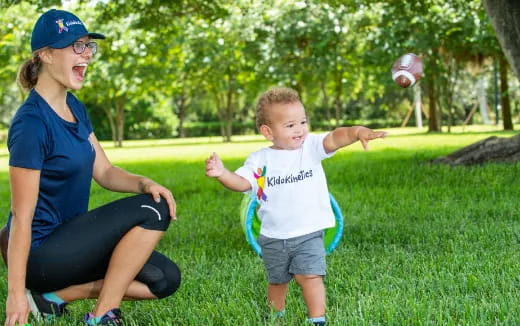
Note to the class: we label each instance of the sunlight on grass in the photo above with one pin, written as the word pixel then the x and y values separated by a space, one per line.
pixel 194 149
pixel 200 148
pixel 423 244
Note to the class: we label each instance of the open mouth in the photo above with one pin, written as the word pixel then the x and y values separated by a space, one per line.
pixel 79 70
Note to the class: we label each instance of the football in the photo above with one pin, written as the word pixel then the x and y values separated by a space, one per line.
pixel 407 70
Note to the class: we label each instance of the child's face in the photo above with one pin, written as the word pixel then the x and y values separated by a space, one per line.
pixel 288 126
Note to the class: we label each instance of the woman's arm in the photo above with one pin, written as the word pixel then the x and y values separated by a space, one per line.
pixel 115 179
pixel 24 195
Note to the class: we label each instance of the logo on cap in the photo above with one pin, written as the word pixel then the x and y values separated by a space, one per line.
pixel 61 26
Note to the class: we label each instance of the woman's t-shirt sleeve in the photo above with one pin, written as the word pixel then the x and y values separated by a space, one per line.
pixel 27 142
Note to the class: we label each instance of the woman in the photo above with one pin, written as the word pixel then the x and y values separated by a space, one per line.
pixel 58 251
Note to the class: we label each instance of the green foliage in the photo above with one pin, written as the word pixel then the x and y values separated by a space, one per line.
pixel 157 12
pixel 167 64
pixel 422 245
pixel 15 26
pixel 38 4
pixel 200 129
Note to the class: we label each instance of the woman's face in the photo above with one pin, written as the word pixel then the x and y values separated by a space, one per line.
pixel 67 67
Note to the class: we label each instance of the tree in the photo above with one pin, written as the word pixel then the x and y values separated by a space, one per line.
pixel 154 59
pixel 445 34
pixel 224 52
pixel 504 94
pixel 157 14
pixel 492 149
pixel 505 17
pixel 121 72
pixel 14 50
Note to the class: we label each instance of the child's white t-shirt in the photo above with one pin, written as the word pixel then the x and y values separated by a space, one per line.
pixel 291 189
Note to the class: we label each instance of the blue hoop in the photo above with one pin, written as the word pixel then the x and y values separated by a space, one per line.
pixel 251 224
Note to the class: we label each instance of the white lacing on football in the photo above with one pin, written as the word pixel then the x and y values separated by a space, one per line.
pixel 405 73
pixel 406 61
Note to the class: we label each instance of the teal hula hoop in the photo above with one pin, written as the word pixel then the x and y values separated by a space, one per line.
pixel 251 224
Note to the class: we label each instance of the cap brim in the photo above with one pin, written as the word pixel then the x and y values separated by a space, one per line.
pixel 63 43
pixel 96 36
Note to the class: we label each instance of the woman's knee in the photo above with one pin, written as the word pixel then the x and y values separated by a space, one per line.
pixel 161 275
pixel 172 281
pixel 156 216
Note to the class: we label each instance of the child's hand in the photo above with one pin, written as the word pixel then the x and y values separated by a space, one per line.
pixel 365 135
pixel 214 166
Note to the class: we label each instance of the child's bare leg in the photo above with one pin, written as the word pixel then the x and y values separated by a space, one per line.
pixel 313 293
pixel 276 295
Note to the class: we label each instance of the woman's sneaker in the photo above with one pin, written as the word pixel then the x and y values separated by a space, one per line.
pixel 112 317
pixel 41 307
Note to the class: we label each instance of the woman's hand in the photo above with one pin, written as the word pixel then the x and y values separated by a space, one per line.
pixel 157 191
pixel 16 309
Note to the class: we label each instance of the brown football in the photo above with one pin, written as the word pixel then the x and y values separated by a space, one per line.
pixel 407 70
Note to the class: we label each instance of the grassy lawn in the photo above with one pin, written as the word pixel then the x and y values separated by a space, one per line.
pixel 423 244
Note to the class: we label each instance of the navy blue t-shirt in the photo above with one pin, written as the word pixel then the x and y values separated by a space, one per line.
pixel 39 139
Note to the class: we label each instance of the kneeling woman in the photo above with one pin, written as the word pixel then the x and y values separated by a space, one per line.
pixel 58 250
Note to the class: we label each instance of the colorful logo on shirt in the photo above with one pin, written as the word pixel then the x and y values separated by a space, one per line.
pixel 61 26
pixel 260 180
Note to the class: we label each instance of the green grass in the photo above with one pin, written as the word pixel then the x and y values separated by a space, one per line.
pixel 423 244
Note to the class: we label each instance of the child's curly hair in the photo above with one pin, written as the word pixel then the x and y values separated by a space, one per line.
pixel 275 95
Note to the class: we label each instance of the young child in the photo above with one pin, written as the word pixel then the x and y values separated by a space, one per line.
pixel 290 184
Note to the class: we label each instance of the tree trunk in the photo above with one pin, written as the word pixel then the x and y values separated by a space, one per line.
pixel 432 121
pixel 337 110
pixel 120 121
pixel 418 105
pixel 181 105
pixel 481 94
pixel 228 115
pixel 337 99
pixel 325 102
pixel 120 129
pixel 492 149
pixel 505 18
pixel 504 95
pixel 111 122
pixel 449 90
pixel 225 114
pixel 338 91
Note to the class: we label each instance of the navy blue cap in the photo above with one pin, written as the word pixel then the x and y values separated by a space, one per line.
pixel 58 29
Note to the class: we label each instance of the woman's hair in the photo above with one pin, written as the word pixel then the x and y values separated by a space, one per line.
pixel 275 95
pixel 28 73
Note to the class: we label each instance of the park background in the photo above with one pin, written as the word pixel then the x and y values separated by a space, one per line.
pixel 424 244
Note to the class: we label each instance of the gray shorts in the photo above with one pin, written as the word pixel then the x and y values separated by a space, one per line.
pixel 303 255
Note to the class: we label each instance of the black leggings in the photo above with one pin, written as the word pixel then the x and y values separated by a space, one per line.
pixel 79 251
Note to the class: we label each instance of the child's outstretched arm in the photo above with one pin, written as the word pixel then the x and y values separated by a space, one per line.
pixel 344 136
pixel 216 169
